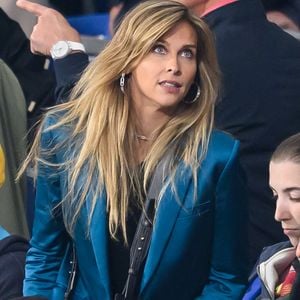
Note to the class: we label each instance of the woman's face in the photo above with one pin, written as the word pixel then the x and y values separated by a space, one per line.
pixel 164 76
pixel 285 184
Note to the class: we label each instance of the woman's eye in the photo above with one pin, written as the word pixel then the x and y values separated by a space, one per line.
pixel 295 197
pixel 187 53
pixel 160 49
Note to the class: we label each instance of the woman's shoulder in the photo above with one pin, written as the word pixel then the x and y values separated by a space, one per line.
pixel 51 118
pixel 222 137
pixel 55 138
pixel 222 144
pixel 222 149
pixel 52 127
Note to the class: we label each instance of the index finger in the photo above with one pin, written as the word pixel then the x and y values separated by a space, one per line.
pixel 34 8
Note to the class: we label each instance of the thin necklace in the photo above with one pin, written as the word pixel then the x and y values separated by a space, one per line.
pixel 143 138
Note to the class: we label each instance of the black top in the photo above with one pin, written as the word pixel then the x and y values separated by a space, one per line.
pixel 13 250
pixel 119 252
pixel 37 83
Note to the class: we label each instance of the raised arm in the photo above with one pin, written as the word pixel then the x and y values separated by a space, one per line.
pixel 51 28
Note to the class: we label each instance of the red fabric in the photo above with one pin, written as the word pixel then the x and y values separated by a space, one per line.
pixel 285 288
pixel 218 5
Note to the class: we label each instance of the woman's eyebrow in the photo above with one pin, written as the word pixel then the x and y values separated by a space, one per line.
pixel 189 46
pixel 183 46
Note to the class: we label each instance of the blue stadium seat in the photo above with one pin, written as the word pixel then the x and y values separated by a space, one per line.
pixel 93 25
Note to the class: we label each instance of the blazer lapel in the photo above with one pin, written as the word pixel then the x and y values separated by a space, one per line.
pixel 165 218
pixel 99 240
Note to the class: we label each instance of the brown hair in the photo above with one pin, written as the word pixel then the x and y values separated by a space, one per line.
pixel 289 149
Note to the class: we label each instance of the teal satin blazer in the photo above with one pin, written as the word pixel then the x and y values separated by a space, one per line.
pixel 197 250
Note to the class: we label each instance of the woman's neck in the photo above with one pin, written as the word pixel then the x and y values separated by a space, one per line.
pixel 148 123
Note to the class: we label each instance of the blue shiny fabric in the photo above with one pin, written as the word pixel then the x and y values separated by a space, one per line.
pixel 198 246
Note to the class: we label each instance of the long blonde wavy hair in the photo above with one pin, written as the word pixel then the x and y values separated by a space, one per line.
pixel 102 127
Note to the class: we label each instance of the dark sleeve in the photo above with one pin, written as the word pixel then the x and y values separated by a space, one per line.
pixel 37 81
pixel 12 263
pixel 68 70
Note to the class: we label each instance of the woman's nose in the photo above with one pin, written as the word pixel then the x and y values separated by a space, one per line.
pixel 282 209
pixel 173 65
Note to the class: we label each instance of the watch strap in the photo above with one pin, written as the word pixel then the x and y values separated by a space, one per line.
pixel 75 46
pixel 70 47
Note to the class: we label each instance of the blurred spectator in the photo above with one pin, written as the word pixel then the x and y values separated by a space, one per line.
pixel 12 255
pixel 117 10
pixel 284 13
pixel 26 20
pixel 36 79
pixel 12 138
pixel 259 104
pixel 13 251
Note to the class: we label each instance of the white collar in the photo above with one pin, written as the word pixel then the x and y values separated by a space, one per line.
pixel 270 270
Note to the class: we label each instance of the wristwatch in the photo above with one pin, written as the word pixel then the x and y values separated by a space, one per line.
pixel 63 48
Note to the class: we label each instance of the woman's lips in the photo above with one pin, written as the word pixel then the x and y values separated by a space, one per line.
pixel 170 86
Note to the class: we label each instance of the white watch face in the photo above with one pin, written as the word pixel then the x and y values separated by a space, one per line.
pixel 60 49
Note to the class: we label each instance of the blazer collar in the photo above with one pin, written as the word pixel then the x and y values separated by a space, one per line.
pixel 166 215
pixel 165 218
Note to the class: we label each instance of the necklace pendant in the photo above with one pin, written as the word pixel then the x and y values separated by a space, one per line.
pixel 142 137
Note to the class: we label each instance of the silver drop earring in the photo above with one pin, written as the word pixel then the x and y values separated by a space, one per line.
pixel 122 82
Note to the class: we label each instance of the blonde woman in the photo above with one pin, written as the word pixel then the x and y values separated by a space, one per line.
pixel 148 97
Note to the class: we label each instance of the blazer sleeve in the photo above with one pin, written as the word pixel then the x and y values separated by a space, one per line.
pixel 68 71
pixel 49 237
pixel 229 262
